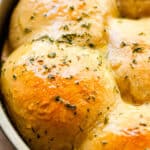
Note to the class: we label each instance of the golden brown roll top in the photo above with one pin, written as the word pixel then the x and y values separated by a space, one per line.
pixel 134 8
pixel 58 86
pixel 57 93
pixel 129 55
pixel 127 128
pixel 74 22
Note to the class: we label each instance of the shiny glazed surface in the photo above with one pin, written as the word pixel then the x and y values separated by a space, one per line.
pixel 78 76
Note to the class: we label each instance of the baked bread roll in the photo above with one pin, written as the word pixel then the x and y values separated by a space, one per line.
pixel 69 21
pixel 78 77
pixel 129 56
pixel 57 93
pixel 134 8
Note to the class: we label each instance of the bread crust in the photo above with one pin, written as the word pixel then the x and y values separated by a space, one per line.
pixel 78 76
pixel 83 22
pixel 58 97
pixel 134 8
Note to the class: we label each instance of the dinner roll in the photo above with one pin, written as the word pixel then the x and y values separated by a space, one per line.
pixel 134 8
pixel 128 128
pixel 57 93
pixel 71 21
pixel 129 55
pixel 78 76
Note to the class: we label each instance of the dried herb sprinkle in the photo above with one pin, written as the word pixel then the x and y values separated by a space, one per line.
pixel 51 55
